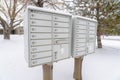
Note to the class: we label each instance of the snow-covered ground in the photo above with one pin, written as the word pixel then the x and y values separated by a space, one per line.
pixel 102 65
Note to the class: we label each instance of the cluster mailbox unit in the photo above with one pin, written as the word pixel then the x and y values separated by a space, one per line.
pixel 52 36
pixel 84 36
pixel 47 36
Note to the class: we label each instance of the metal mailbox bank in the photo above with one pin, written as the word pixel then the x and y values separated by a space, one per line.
pixel 84 36
pixel 47 36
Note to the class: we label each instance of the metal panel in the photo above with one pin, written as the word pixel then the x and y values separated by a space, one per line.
pixel 81 31
pixel 60 24
pixel 81 21
pixel 62 30
pixel 40 36
pixel 41 42
pixel 40 29
pixel 81 27
pixel 40 48
pixel 92 23
pixel 61 18
pixel 40 61
pixel 39 15
pixel 61 35
pixel 40 23
pixel 41 55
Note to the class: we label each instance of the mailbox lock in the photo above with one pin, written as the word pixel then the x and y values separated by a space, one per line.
pixel 55 18
pixel 32 15
pixel 34 62
pixel 56 35
pixel 32 29
pixel 56 24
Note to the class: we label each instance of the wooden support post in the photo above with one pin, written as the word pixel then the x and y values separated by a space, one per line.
pixel 78 68
pixel 47 72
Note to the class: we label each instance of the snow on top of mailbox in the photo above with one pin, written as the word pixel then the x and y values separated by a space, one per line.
pixel 48 10
pixel 76 16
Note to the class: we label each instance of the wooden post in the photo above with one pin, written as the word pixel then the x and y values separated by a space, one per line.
pixel 78 68
pixel 48 71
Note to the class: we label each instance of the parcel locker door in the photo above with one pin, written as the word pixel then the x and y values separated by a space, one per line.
pixel 60 52
pixel 91 47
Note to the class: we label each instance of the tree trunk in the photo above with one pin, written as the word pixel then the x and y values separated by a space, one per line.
pixel 99 43
pixel 6 33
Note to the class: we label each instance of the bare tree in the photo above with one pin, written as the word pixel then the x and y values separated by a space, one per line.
pixel 9 18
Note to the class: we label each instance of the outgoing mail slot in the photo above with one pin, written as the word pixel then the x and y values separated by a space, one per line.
pixel 40 48
pixel 61 18
pixel 39 15
pixel 61 30
pixel 81 36
pixel 40 23
pixel 80 49
pixel 60 24
pixel 80 40
pixel 81 31
pixel 80 45
pixel 61 35
pixel 81 27
pixel 40 61
pixel 40 36
pixel 40 42
pixel 92 24
pixel 41 55
pixel 81 21
pixel 41 29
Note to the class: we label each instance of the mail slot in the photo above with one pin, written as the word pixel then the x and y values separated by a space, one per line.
pixel 92 28
pixel 81 21
pixel 61 41
pixel 41 29
pixel 40 36
pixel 80 40
pixel 40 23
pixel 66 30
pixel 91 36
pixel 80 45
pixel 61 18
pixel 41 55
pixel 92 32
pixel 60 24
pixel 92 24
pixel 81 31
pixel 81 35
pixel 81 27
pixel 39 15
pixel 40 48
pixel 41 42
pixel 40 61
pixel 61 35
pixel 80 49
